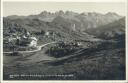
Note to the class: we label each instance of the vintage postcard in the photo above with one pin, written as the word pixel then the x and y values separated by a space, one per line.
pixel 63 41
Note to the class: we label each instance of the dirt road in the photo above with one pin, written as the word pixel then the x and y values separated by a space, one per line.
pixel 38 49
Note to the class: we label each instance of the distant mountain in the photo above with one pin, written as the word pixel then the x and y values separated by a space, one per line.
pixel 112 30
pixel 82 21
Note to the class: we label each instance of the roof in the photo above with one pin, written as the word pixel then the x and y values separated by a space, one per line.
pixel 33 38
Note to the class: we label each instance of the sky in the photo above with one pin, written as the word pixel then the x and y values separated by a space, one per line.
pixel 32 8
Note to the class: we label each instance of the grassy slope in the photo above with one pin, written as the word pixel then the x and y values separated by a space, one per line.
pixel 96 64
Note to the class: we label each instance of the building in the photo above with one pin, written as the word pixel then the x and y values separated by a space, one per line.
pixel 79 43
pixel 33 42
pixel 47 33
pixel 21 40
pixel 27 41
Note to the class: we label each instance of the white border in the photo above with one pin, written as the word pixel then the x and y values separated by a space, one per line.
pixel 72 0
pixel 59 81
pixel 1 41
pixel 126 41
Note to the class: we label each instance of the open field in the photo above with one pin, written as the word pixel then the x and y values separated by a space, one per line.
pixel 92 63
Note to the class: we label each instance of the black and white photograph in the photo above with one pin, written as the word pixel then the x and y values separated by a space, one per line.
pixel 64 41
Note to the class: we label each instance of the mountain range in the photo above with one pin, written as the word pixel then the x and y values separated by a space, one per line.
pixel 69 23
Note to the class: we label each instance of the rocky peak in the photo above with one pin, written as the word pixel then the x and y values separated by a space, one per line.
pixel 112 14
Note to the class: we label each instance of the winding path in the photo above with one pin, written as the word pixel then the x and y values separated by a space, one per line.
pixel 38 49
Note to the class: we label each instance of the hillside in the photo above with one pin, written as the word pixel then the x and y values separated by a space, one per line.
pixel 87 46
pixel 112 30
pixel 38 28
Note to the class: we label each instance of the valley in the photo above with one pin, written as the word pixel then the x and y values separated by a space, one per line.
pixel 64 46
